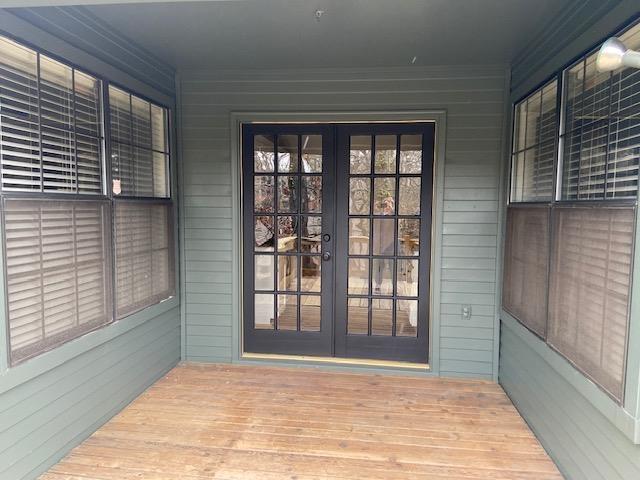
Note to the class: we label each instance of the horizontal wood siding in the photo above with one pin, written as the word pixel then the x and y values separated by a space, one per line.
pixel 582 441
pixel 41 419
pixel 474 101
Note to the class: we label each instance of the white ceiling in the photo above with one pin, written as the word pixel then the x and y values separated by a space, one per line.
pixel 350 33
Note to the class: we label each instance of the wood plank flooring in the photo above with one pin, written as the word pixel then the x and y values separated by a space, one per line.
pixel 246 422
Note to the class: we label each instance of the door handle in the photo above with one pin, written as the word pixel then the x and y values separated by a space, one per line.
pixel 326 256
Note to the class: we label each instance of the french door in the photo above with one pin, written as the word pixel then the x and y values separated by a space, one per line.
pixel 337 231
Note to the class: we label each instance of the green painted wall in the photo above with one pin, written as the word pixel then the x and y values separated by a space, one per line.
pixel 588 435
pixel 473 98
pixel 52 402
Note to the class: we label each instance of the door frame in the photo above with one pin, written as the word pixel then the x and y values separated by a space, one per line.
pixel 237 120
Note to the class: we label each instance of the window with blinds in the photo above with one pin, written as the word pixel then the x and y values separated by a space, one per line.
pixel 526 263
pixel 139 146
pixel 601 135
pixel 58 272
pixel 51 135
pixel 144 267
pixel 589 294
pixel 534 146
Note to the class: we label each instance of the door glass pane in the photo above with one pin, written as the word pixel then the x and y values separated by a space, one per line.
pixel 263 155
pixel 381 316
pixel 407 278
pixel 384 196
pixel 263 311
pixel 359 231
pixel 288 273
pixel 287 312
pixel 287 194
pixel 383 236
pixel 312 194
pixel 360 154
pixel 408 237
pixel 263 194
pixel 358 281
pixel 382 276
pixel 385 154
pixel 406 318
pixel 359 196
pixel 287 153
pixel 358 316
pixel 311 278
pixel 263 234
pixel 287 234
pixel 310 313
pixel 311 234
pixel 264 272
pixel 312 153
pixel 409 196
pixel 411 154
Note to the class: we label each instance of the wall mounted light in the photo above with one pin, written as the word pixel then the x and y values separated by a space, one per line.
pixel 614 54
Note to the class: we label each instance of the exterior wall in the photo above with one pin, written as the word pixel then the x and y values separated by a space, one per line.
pixel 586 432
pixel 52 402
pixel 474 99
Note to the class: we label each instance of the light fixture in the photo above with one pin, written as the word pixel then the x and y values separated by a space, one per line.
pixel 614 54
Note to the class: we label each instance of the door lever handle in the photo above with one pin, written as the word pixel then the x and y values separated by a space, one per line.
pixel 326 256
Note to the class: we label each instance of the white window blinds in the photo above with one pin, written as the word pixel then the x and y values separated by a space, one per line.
pixel 589 290
pixel 534 146
pixel 140 150
pixel 601 135
pixel 50 124
pixel 144 245
pixel 57 270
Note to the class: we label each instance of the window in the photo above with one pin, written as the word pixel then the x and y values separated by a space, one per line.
pixel 567 268
pixel 57 213
pixel 143 221
pixel 601 135
pixel 534 146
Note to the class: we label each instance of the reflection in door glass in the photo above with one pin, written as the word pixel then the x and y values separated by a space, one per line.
pixel 384 196
pixel 287 153
pixel 288 273
pixel 312 194
pixel 381 316
pixel 263 234
pixel 263 155
pixel 287 312
pixel 263 272
pixel 409 196
pixel 383 236
pixel 359 236
pixel 311 276
pixel 358 316
pixel 263 311
pixel 406 318
pixel 287 194
pixel 411 154
pixel 407 278
pixel 311 234
pixel 312 153
pixel 385 154
pixel 310 313
pixel 360 155
pixel 263 198
pixel 408 237
pixel 382 276
pixel 287 234
pixel 359 195
pixel 358 281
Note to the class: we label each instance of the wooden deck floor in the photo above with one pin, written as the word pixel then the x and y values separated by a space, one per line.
pixel 244 422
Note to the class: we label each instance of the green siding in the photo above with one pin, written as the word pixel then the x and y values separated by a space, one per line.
pixel 52 402
pixel 474 99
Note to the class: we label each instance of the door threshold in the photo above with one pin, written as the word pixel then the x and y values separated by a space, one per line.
pixel 336 360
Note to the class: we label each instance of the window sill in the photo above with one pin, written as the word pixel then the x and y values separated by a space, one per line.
pixel 615 413
pixel 23 372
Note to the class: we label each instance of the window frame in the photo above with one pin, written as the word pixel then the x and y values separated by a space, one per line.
pixel 558 202
pixel 106 196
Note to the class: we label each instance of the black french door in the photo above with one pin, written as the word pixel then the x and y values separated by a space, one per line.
pixel 337 239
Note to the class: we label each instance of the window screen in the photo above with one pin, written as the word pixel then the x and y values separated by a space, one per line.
pixel 57 272
pixel 50 124
pixel 589 294
pixel 534 146
pixel 526 263
pixel 601 134
pixel 144 260
pixel 139 146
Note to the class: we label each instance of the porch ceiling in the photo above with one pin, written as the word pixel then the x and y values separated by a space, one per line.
pixel 284 34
